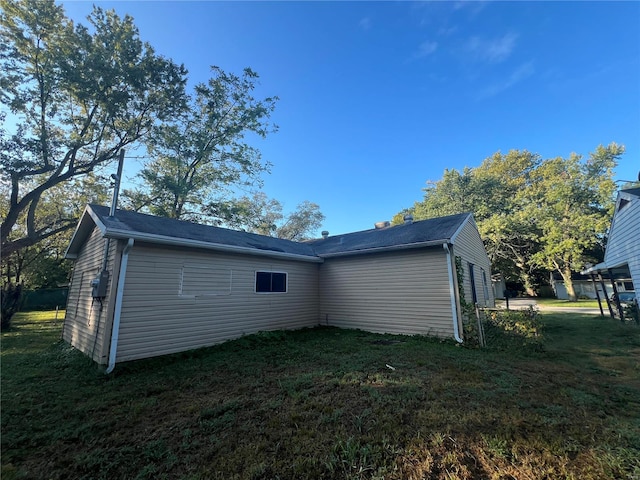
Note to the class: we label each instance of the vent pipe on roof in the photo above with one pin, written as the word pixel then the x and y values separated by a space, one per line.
pixel 325 233
pixel 116 185
pixel 408 219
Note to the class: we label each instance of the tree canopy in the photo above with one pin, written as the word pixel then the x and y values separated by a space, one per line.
pixel 263 215
pixel 73 96
pixel 196 156
pixel 76 96
pixel 533 214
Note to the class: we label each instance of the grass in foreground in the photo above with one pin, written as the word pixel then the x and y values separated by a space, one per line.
pixel 324 403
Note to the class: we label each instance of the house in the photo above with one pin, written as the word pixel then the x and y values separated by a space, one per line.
pixel 585 287
pixel 144 286
pixel 622 253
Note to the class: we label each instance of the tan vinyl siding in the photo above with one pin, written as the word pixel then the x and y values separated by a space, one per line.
pixel 469 247
pixel 396 292
pixel 170 306
pixel 87 324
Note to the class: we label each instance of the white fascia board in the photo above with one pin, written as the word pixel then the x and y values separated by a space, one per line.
pixel 183 242
pixel 81 228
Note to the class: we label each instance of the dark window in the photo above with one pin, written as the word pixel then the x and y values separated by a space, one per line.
pixel 472 276
pixel 271 282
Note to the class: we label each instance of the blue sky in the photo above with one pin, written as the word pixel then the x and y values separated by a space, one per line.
pixel 376 98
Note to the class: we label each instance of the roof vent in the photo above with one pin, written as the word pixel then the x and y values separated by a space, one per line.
pixel 408 219
pixel 325 233
pixel 384 224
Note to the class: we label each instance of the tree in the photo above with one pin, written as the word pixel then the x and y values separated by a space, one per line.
pixel 260 214
pixel 533 215
pixel 302 222
pixel 509 236
pixel 197 157
pixel 78 95
pixel 43 265
pixel 490 192
pixel 571 203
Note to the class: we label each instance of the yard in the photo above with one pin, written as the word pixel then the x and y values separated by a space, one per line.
pixel 328 403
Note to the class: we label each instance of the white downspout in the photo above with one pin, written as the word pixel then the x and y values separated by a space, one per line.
pixel 452 291
pixel 118 307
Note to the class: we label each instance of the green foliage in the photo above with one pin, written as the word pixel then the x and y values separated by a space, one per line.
pixel 77 96
pixel 506 327
pixel 201 153
pixel 632 312
pixel 571 203
pixel 534 215
pixel 263 215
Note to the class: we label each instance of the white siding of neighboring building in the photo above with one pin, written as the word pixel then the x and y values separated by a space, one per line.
pixel 623 245
pixel 180 299
pixel 87 324
pixel 402 292
pixel 469 247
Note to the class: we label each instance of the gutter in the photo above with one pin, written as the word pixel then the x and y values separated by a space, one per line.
pixel 452 292
pixel 118 307
pixel 183 242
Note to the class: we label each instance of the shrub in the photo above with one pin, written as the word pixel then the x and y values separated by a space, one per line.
pixel 632 312
pixel 515 327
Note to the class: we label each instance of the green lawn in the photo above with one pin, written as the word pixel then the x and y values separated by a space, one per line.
pixel 581 303
pixel 328 403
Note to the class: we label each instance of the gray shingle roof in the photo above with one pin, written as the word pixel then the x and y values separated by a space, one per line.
pixel 432 231
pixel 136 223
pixel 633 191
pixel 149 228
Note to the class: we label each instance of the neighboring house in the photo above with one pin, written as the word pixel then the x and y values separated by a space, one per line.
pixel 622 253
pixel 585 287
pixel 144 286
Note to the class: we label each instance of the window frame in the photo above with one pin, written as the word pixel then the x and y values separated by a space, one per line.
pixel 271 292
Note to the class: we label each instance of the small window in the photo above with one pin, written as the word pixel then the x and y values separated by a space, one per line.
pixel 271 282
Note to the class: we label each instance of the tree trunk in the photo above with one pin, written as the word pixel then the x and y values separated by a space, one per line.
pixel 528 285
pixel 568 284
pixel 527 281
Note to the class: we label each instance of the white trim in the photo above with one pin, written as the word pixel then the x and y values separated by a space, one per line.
pixel 461 226
pixel 184 242
pixel 80 226
pixel 118 307
pixel 452 293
